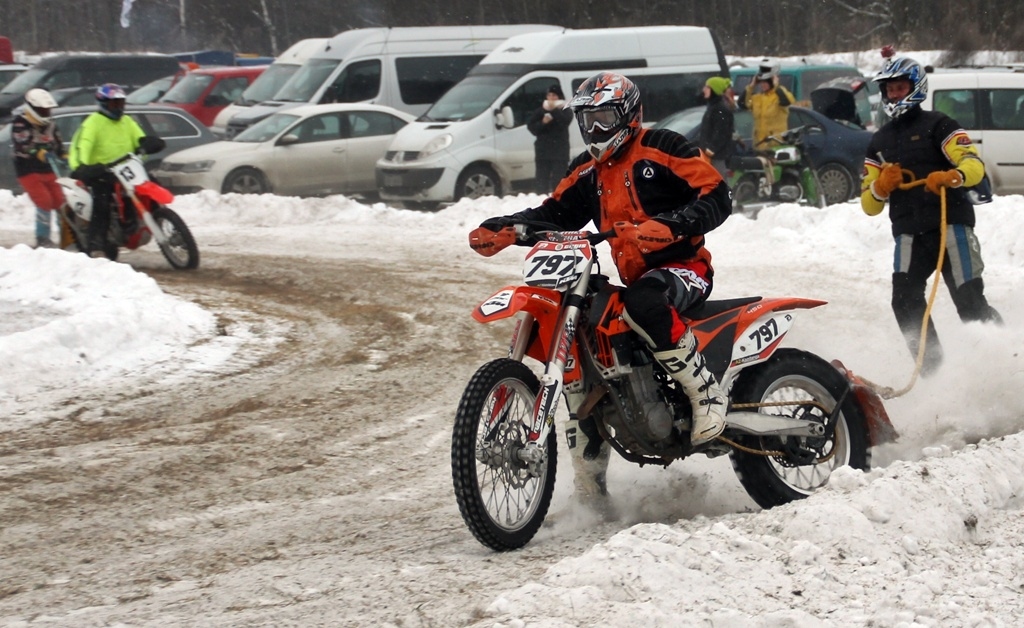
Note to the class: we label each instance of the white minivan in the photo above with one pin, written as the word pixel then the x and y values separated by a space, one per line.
pixel 473 141
pixel 988 102
pixel 406 68
pixel 267 84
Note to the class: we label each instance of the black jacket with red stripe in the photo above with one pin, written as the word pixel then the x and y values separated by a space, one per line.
pixel 659 174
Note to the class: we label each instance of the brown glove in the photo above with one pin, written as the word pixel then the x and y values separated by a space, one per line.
pixel 943 179
pixel 888 180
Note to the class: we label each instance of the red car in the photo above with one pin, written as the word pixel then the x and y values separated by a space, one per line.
pixel 205 91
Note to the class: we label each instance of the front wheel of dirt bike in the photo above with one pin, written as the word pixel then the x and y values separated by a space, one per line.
pixel 180 247
pixel 503 498
pixel 797 466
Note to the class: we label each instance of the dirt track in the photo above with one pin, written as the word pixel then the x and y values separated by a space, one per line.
pixel 310 488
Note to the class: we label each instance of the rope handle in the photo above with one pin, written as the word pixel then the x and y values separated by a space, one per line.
pixel 884 391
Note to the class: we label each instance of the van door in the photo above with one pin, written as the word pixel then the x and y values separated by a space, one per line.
pixel 1002 111
pixel 514 146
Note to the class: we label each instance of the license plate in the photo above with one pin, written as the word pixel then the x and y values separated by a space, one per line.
pixel 393 180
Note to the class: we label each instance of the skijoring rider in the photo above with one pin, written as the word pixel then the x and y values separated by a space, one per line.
pixel 936 148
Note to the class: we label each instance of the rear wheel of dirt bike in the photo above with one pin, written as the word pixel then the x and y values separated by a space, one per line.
pixel 180 249
pixel 502 498
pixel 800 465
pixel 745 190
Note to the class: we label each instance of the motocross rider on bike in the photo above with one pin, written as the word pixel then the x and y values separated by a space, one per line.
pixel 104 136
pixel 665 196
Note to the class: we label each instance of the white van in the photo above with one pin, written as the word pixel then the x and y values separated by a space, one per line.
pixel 988 102
pixel 266 85
pixel 406 68
pixel 474 141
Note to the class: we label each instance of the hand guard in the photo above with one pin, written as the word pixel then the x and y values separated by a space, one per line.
pixel 943 179
pixel 487 241
pixel 889 179
pixel 652 235
pixel 498 223
pixel 150 144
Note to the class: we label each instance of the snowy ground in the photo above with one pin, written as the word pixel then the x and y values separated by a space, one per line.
pixel 345 535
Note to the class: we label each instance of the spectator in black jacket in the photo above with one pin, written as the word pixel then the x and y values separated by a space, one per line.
pixel 33 137
pixel 718 126
pixel 550 123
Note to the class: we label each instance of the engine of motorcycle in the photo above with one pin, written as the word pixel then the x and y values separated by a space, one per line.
pixel 638 414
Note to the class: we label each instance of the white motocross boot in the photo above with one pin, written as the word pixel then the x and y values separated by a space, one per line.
pixel 686 365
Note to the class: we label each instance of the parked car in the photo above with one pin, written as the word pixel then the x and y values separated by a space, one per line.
pixel 837 150
pixel 306 151
pixel 60 71
pixel 988 102
pixel 176 127
pixel 204 92
pixel 10 70
pixel 154 90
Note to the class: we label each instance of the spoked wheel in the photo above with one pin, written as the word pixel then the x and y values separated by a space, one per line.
pixel 180 247
pixel 745 191
pixel 503 492
pixel 798 466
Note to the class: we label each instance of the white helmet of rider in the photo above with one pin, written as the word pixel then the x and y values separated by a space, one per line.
pixel 38 103
pixel 767 69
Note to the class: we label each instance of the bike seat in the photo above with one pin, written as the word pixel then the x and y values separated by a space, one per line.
pixel 709 309
pixel 746 163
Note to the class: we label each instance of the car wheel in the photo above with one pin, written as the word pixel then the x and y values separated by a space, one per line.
pixel 477 181
pixel 837 184
pixel 245 181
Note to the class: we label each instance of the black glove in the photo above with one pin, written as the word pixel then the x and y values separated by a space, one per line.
pixel 498 223
pixel 89 173
pixel 151 144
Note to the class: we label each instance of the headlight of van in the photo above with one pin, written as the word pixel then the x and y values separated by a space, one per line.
pixel 197 166
pixel 439 143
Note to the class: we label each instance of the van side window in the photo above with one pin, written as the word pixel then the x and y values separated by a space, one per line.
pixel 959 105
pixel 422 80
pixel 525 100
pixel 359 81
pixel 1007 108
pixel 662 94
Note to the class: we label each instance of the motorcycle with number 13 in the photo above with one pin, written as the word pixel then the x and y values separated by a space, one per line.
pixel 792 417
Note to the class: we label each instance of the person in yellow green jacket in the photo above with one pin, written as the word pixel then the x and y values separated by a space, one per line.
pixel 103 137
pixel 934 147
pixel 768 103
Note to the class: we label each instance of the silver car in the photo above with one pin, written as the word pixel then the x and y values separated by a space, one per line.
pixel 311 150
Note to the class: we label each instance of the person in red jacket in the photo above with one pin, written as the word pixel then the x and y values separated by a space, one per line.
pixel 658 183
pixel 33 137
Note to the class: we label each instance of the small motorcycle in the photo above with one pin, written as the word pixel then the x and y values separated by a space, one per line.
pixel 792 417
pixel 140 214
pixel 784 175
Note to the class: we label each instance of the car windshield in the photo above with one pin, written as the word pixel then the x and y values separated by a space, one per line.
pixel 266 85
pixel 304 83
pixel 468 98
pixel 267 129
pixel 188 89
pixel 24 81
pixel 150 91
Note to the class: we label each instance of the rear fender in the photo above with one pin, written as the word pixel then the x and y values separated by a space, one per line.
pixel 747 334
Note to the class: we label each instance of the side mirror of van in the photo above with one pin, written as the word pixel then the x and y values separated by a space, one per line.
pixel 504 118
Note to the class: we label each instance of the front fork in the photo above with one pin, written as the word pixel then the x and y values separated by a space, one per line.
pixel 552 380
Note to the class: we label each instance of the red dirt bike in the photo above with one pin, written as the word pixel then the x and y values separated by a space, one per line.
pixel 140 214
pixel 792 419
